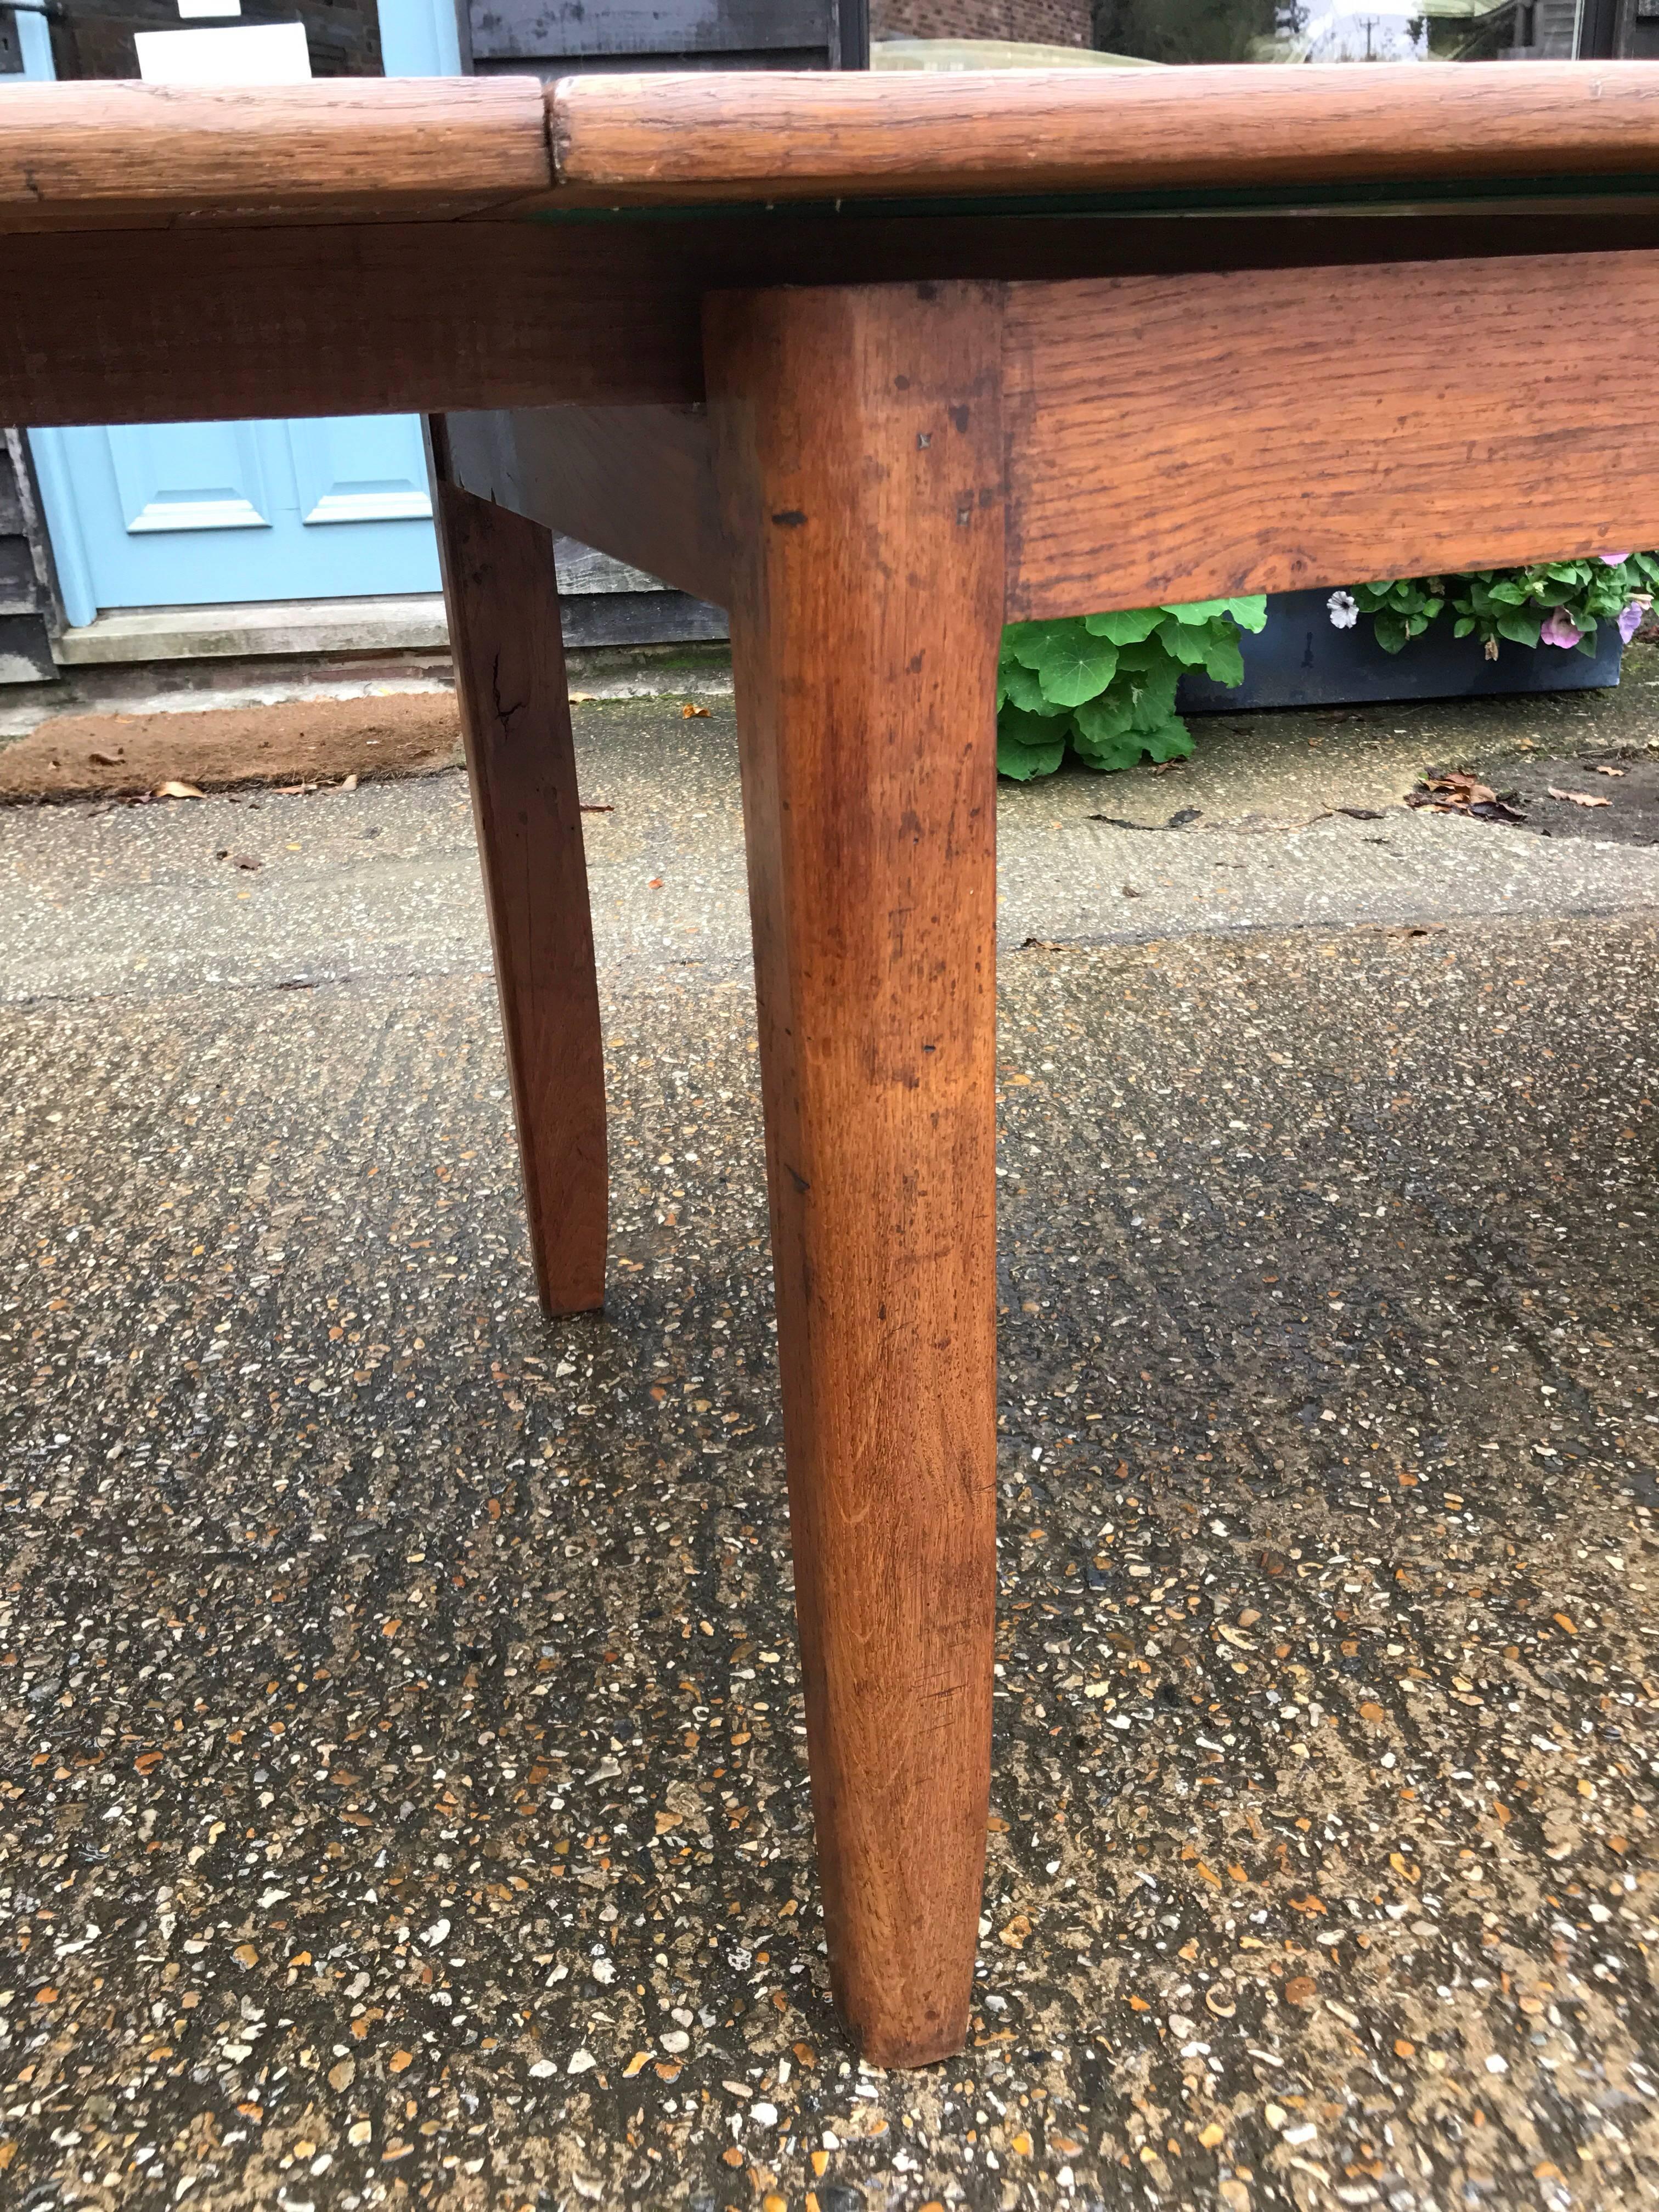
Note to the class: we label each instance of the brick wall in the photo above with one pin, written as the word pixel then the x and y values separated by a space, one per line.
pixel 1043 22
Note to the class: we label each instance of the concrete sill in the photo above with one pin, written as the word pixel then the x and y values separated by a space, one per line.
pixel 273 626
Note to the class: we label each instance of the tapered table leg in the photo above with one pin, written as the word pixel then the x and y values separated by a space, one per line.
pixel 860 456
pixel 503 605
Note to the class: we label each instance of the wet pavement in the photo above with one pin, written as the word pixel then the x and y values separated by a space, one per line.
pixel 401 1793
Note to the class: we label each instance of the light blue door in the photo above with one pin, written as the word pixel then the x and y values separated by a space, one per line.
pixel 209 514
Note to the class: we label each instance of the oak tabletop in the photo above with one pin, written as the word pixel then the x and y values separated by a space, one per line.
pixel 113 154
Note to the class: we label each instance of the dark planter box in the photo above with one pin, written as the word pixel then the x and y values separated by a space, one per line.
pixel 1302 659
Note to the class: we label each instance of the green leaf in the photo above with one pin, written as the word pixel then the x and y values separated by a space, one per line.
pixel 1030 745
pixel 1126 627
pixel 1391 633
pixel 1110 757
pixel 1106 720
pixel 1016 636
pixel 1026 728
pixel 1250 612
pixel 1020 685
pixel 1188 643
pixel 1172 740
pixel 1072 663
pixel 1197 610
pixel 1154 696
pixel 1022 763
pixel 1520 630
pixel 1464 626
pixel 1223 661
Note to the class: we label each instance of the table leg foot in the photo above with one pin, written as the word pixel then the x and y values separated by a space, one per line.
pixel 858 449
pixel 503 605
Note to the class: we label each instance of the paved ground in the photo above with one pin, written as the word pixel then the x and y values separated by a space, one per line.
pixel 401 1775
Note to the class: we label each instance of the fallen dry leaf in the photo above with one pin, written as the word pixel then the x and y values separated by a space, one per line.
pixel 1460 793
pixel 1466 789
pixel 348 782
pixel 1596 770
pixel 1580 798
pixel 173 789
pixel 691 712
pixel 104 760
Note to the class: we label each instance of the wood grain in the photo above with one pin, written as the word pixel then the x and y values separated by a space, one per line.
pixel 503 606
pixel 859 457
pixel 1182 438
pixel 82 153
pixel 781 134
pixel 635 482
pixel 375 318
pixel 90 155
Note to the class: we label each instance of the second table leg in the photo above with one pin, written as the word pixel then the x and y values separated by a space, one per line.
pixel 502 598
pixel 858 449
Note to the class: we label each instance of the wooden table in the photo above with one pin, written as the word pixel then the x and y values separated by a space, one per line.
pixel 876 363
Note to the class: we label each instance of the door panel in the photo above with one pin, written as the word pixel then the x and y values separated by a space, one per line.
pixel 361 469
pixel 218 513
pixel 189 476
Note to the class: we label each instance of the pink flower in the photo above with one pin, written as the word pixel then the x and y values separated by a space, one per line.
pixel 1613 560
pixel 1630 622
pixel 1560 629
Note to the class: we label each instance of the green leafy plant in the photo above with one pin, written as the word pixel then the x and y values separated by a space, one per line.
pixel 1402 608
pixel 1559 602
pixel 1103 686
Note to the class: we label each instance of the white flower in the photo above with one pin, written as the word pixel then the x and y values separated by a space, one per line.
pixel 1345 609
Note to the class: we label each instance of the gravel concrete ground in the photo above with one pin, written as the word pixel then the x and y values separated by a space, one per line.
pixel 400 1758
